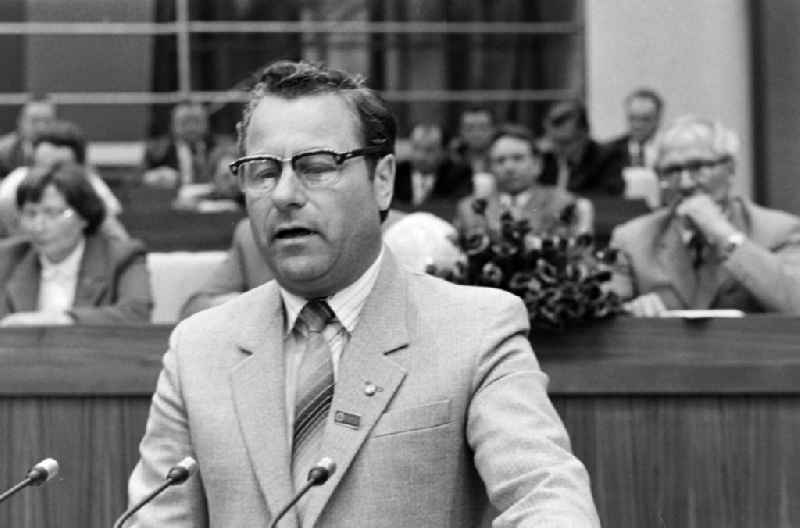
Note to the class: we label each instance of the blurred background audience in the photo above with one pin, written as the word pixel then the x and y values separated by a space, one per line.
pixel 160 137
pixel 583 164
pixel 429 180
pixel 184 156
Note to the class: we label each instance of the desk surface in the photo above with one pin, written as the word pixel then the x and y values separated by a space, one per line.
pixel 758 354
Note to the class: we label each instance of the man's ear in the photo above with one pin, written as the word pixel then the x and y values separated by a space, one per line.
pixel 383 181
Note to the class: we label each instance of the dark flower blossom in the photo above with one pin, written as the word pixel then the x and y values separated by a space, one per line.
pixel 558 278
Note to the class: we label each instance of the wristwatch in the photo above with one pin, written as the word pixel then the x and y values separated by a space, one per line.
pixel 733 241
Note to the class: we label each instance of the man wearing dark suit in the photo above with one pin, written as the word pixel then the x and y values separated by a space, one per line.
pixel 16 148
pixel 185 155
pixel 426 394
pixel 637 147
pixel 708 248
pixel 584 166
pixel 429 181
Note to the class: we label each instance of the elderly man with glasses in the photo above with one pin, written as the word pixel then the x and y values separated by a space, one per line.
pixel 707 248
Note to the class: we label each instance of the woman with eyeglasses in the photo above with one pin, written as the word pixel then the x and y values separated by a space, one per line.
pixel 61 269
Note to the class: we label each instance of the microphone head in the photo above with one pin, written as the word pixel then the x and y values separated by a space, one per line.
pixel 43 471
pixel 321 472
pixel 182 470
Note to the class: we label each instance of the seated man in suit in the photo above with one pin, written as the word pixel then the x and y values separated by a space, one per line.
pixel 583 165
pixel 185 155
pixel 634 153
pixel 475 131
pixel 16 148
pixel 517 163
pixel 637 147
pixel 425 394
pixel 709 247
pixel 429 181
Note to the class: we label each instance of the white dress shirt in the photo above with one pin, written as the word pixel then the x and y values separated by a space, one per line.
pixel 58 281
pixel 649 147
pixel 346 304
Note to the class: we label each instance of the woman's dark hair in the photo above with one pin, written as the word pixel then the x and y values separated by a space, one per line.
pixel 64 134
pixel 72 181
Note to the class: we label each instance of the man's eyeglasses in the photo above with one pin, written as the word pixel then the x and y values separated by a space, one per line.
pixel 319 168
pixel 29 215
pixel 698 170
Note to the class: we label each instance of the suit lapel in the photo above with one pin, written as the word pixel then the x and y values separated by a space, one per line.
pixel 23 285
pixel 93 279
pixel 258 385
pixel 382 328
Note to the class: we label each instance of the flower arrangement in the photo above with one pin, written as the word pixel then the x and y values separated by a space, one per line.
pixel 559 278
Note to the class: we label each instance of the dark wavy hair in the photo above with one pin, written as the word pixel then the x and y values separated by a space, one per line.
pixel 72 181
pixel 64 134
pixel 516 131
pixel 291 80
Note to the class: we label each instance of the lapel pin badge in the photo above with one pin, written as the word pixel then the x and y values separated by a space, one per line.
pixel 347 419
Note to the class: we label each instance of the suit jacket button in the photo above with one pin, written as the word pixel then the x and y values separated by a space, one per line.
pixel 370 389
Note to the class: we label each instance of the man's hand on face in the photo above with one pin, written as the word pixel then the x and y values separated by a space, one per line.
pixel 647 305
pixel 707 216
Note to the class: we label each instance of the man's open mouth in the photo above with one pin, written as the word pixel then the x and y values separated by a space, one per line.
pixel 293 232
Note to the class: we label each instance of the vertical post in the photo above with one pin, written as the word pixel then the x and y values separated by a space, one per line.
pixel 184 55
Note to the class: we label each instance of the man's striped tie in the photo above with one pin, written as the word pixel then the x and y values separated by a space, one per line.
pixel 314 389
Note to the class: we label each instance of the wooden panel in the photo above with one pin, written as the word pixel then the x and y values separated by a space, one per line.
pixel 757 354
pixel 95 440
pixel 81 360
pixel 679 424
pixel 699 461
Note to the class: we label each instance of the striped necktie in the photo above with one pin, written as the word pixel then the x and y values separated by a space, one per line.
pixel 314 388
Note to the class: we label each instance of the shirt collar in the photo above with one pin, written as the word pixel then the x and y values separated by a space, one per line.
pixel 346 303
pixel 68 267
pixel 518 200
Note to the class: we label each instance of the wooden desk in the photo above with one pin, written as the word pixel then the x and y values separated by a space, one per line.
pixel 679 424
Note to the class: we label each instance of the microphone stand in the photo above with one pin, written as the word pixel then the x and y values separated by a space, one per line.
pixel 307 486
pixel 150 496
pixel 18 487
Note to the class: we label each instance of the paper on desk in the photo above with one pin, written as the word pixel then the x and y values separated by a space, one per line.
pixel 703 314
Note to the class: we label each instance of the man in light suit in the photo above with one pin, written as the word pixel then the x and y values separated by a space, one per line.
pixel 438 408
pixel 708 248
pixel 516 164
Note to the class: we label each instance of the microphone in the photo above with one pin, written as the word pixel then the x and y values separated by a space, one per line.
pixel 178 474
pixel 317 476
pixel 38 475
